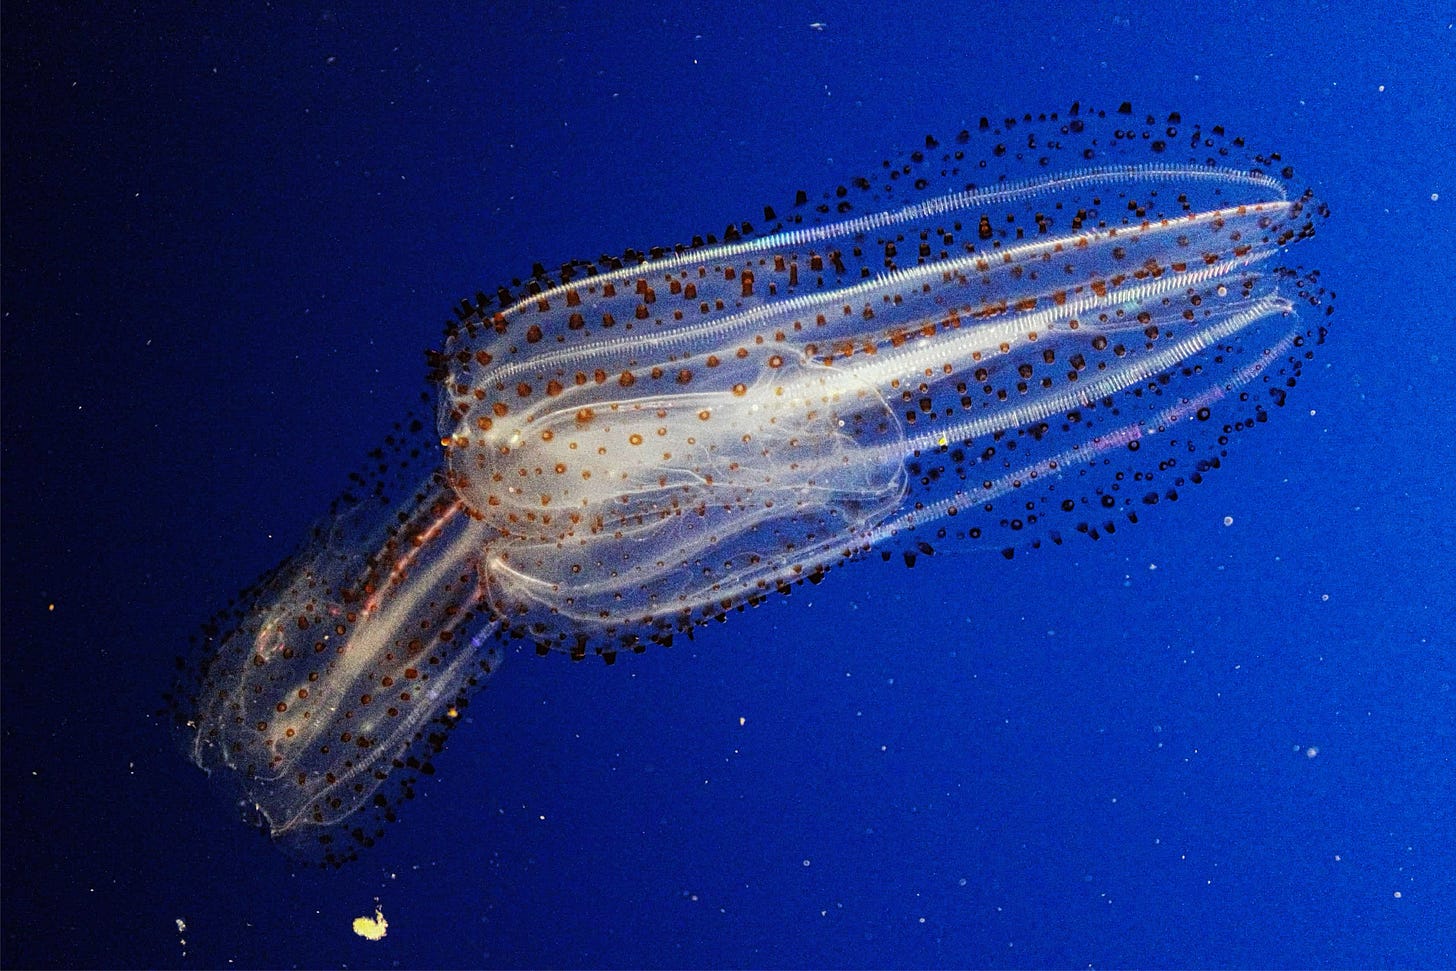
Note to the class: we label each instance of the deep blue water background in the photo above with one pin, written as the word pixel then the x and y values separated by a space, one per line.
pixel 228 236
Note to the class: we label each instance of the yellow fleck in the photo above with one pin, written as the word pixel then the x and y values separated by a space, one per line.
pixel 372 928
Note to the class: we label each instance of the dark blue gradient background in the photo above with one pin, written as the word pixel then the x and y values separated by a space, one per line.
pixel 229 232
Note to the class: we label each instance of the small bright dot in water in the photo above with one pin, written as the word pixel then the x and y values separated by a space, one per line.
pixel 806 863
pixel 1311 752
pixel 1228 520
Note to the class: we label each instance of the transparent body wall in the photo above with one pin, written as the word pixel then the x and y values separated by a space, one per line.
pixel 1029 333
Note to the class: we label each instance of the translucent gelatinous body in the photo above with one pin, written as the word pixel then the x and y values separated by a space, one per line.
pixel 999 345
